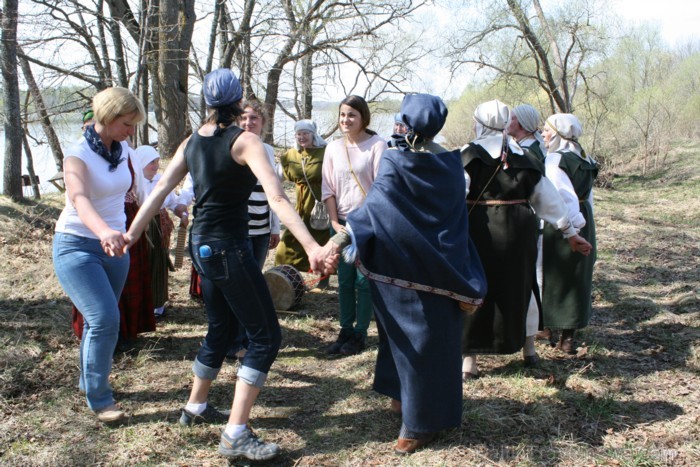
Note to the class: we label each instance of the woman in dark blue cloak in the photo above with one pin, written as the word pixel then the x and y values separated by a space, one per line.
pixel 412 242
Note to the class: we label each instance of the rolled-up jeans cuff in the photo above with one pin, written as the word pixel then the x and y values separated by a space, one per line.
pixel 253 377
pixel 202 371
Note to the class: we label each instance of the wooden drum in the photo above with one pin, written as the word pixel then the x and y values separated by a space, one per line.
pixel 286 286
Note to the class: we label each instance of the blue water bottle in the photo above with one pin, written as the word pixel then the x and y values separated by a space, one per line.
pixel 204 251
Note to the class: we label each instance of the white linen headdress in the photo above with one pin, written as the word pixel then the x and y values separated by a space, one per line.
pixel 310 126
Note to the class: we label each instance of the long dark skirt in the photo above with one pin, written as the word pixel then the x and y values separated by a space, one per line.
pixel 506 239
pixel 419 360
pixel 567 278
pixel 159 258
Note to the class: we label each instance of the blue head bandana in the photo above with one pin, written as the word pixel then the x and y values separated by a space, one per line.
pixel 221 87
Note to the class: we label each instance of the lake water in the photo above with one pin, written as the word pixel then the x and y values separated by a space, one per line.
pixel 45 167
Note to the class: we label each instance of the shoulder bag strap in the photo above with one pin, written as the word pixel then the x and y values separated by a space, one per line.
pixel 347 153
pixel 303 171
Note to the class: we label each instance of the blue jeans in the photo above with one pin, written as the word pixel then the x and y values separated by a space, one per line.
pixel 93 281
pixel 235 294
pixel 260 245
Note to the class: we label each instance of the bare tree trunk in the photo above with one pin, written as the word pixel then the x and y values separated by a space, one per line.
pixel 141 78
pixel 307 78
pixel 51 136
pixel 174 39
pixel 553 86
pixel 12 175
pixel 103 42
pixel 273 84
pixel 30 166
pixel 118 52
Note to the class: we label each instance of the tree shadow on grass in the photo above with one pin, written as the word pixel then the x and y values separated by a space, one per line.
pixel 502 426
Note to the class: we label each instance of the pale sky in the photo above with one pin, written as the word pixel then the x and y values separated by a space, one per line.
pixel 679 20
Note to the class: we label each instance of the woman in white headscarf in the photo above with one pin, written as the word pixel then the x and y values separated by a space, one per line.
pixel 302 166
pixel 567 281
pixel 524 128
pixel 159 229
pixel 504 186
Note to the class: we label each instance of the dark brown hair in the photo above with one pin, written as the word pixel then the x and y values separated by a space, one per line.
pixel 224 116
pixel 359 104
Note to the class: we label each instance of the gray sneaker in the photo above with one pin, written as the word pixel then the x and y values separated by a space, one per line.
pixel 248 445
pixel 210 415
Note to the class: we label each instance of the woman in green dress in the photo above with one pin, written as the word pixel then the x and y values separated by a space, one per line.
pixel 302 166
pixel 568 277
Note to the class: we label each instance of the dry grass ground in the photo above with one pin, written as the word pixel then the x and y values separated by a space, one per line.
pixel 630 397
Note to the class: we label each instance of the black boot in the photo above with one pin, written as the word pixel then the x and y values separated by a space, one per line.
pixel 343 337
pixel 354 345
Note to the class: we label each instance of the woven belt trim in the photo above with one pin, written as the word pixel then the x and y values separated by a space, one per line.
pixel 497 202
pixel 415 286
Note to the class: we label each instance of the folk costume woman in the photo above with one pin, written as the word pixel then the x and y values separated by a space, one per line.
pixel 568 277
pixel 226 163
pixel 505 186
pixel 88 245
pixel 412 239
pixel 524 129
pixel 302 166
pixel 349 168
pixel 159 229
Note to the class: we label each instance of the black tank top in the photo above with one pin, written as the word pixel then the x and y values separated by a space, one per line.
pixel 221 186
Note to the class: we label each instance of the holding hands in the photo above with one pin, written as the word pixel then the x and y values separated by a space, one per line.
pixel 580 245
pixel 324 259
pixel 112 242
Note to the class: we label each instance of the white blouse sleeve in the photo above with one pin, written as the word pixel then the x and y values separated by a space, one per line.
pixel 566 190
pixel 187 192
pixel 549 207
pixel 171 201
pixel 274 223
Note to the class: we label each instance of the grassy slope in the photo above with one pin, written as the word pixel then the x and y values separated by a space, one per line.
pixel 629 398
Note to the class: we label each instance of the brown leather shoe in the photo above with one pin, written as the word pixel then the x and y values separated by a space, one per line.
pixel 468 376
pixel 544 335
pixel 566 342
pixel 409 446
pixel 566 345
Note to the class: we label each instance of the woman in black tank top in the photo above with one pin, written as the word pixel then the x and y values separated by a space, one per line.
pixel 225 162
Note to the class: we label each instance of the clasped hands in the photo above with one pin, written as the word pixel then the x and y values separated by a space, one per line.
pixel 579 244
pixel 113 242
pixel 324 259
